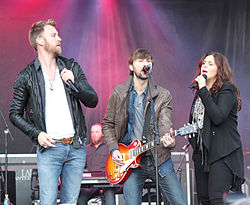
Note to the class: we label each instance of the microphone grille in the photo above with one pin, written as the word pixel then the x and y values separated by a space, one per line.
pixel 204 76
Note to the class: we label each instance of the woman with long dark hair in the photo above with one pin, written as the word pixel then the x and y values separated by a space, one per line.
pixel 217 147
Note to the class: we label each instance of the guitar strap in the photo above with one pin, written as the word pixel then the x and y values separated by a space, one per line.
pixel 146 124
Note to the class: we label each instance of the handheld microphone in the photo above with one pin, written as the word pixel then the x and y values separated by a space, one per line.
pixel 195 83
pixel 146 68
pixel 72 86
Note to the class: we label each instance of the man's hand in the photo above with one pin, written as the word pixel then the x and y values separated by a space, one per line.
pixel 168 141
pixel 67 75
pixel 117 158
pixel 45 140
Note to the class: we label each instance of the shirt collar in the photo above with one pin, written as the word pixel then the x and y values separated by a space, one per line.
pixel 103 142
pixel 132 87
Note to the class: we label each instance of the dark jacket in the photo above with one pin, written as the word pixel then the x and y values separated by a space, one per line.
pixel 116 119
pixel 29 97
pixel 96 157
pixel 220 135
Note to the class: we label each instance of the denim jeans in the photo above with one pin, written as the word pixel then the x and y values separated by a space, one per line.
pixel 65 162
pixel 170 186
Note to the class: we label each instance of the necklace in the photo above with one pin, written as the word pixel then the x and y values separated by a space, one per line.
pixel 51 82
pixel 51 85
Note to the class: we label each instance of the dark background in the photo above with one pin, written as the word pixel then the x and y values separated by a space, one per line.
pixel 101 35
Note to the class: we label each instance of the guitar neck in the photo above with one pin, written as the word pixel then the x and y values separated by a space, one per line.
pixel 149 145
pixel 186 130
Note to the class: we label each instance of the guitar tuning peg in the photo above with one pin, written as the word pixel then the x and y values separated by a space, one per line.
pixel 189 136
pixel 188 123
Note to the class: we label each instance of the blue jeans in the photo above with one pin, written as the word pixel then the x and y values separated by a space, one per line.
pixel 65 162
pixel 170 186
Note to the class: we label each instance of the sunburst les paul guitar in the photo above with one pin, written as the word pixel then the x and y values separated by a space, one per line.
pixel 133 153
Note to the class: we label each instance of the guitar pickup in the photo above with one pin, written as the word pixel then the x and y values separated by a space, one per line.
pixel 123 156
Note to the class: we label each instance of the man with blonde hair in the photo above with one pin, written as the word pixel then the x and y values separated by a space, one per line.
pixel 50 90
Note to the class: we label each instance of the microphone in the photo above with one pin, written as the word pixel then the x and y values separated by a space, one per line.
pixel 146 68
pixel 195 83
pixel 72 86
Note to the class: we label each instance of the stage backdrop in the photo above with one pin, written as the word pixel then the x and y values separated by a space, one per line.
pixel 101 34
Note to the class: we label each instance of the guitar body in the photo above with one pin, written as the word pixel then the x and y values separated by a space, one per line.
pixel 118 175
pixel 133 153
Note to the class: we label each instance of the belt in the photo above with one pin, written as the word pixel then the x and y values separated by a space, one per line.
pixel 68 140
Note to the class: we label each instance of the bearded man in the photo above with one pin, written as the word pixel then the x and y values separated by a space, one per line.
pixel 50 90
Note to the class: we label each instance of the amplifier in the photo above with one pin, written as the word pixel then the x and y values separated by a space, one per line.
pixel 11 186
pixel 22 164
pixel 182 168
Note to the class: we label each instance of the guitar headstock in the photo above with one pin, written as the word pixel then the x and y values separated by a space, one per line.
pixel 187 129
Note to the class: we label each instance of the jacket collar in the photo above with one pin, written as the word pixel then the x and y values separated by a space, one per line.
pixel 59 61
pixel 155 92
pixel 37 64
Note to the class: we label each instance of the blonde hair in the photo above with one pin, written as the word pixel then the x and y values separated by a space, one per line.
pixel 36 30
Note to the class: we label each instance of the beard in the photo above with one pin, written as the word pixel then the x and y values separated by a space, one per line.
pixel 141 75
pixel 54 49
pixel 96 140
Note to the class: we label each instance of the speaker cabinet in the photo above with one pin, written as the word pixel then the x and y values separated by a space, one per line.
pixel 21 165
pixel 11 186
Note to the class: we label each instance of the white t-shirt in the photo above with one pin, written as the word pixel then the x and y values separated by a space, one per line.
pixel 58 120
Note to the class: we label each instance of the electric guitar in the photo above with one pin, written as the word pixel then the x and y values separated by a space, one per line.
pixel 133 153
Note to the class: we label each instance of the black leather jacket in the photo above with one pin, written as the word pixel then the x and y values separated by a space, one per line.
pixel 29 97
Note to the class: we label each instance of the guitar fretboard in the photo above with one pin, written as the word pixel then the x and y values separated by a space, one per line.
pixel 148 145
pixel 182 131
pixel 143 148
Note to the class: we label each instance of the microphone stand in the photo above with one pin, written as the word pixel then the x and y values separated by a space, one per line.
pixel 156 140
pixel 179 169
pixel 6 132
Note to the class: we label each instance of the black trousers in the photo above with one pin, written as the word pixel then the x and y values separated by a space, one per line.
pixel 213 184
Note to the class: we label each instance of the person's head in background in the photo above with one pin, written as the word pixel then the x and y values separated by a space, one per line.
pixel 96 136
